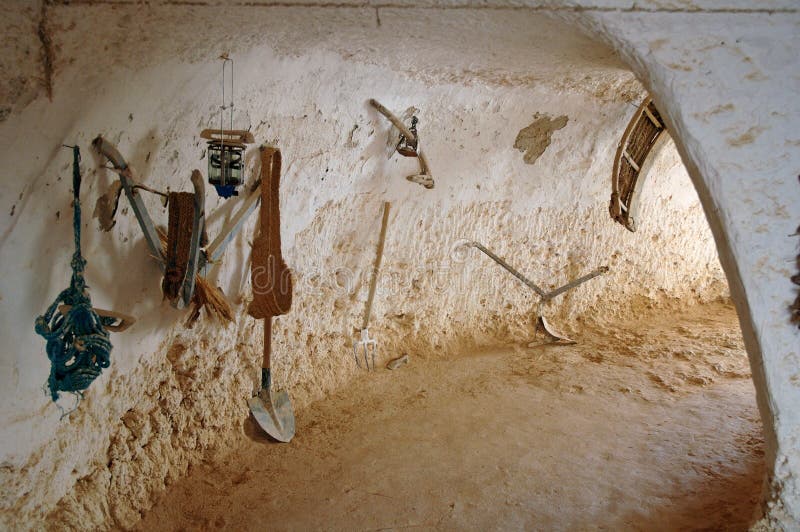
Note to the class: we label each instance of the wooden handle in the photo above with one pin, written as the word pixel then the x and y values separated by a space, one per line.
pixel 377 265
pixel 245 137
pixel 396 122
pixel 267 342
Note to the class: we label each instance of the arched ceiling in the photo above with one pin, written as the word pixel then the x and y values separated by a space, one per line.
pixel 494 47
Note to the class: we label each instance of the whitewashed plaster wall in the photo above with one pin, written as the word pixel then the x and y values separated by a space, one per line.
pixel 304 74
pixel 726 76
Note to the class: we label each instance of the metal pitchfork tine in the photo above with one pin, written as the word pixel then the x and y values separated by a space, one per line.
pixel 369 346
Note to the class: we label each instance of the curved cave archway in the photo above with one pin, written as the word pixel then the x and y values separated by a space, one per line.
pixel 722 187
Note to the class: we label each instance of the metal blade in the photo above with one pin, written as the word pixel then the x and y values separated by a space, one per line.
pixel 555 336
pixel 275 416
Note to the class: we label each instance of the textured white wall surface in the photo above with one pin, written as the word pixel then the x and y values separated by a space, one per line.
pixel 726 81
pixel 148 79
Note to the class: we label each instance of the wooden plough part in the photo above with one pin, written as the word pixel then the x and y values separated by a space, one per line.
pixel 424 176
pixel 640 136
pixel 541 322
pixel 198 258
pixel 116 321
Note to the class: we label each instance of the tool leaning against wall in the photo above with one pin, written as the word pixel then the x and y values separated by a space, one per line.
pixel 541 322
pixel 365 344
pixel 407 145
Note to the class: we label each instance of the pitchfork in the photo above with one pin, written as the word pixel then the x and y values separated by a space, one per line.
pixel 368 345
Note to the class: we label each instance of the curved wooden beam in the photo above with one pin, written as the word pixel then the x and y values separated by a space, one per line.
pixel 424 176
pixel 641 134
pixel 111 153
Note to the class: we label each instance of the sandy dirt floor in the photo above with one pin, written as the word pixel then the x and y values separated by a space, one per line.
pixel 649 425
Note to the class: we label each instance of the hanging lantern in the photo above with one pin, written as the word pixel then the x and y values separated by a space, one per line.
pixel 226 147
pixel 225 163
pixel 409 147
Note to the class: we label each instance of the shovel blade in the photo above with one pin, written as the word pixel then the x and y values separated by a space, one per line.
pixel 275 417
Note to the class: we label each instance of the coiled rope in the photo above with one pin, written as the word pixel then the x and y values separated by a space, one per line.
pixel 78 343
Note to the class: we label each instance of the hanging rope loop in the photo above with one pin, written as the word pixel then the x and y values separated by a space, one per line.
pixel 78 344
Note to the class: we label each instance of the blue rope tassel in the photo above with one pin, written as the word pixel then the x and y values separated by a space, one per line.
pixel 78 344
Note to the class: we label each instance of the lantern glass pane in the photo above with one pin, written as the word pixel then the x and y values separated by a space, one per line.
pixel 224 165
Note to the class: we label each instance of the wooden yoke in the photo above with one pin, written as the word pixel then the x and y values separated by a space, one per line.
pixel 269 274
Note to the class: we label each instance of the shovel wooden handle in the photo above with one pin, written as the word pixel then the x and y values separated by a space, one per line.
pixel 267 342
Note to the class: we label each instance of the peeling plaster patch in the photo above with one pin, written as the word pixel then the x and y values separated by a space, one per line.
pixel 719 109
pixel 676 66
pixel 658 44
pixel 535 138
pixel 746 138
pixel 756 76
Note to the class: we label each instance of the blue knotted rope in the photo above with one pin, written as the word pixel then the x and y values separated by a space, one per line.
pixel 78 343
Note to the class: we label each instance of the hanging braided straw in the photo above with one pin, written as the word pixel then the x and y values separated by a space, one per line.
pixel 78 343
pixel 179 237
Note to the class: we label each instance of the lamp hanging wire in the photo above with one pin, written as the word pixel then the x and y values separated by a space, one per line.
pixel 226 147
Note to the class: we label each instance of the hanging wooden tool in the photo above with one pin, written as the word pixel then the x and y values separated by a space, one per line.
pixel 644 129
pixel 408 145
pixel 213 252
pixel 200 291
pixel 128 185
pixel 272 296
pixel 368 345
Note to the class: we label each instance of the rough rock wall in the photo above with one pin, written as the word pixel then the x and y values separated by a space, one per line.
pixel 172 395
pixel 22 62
